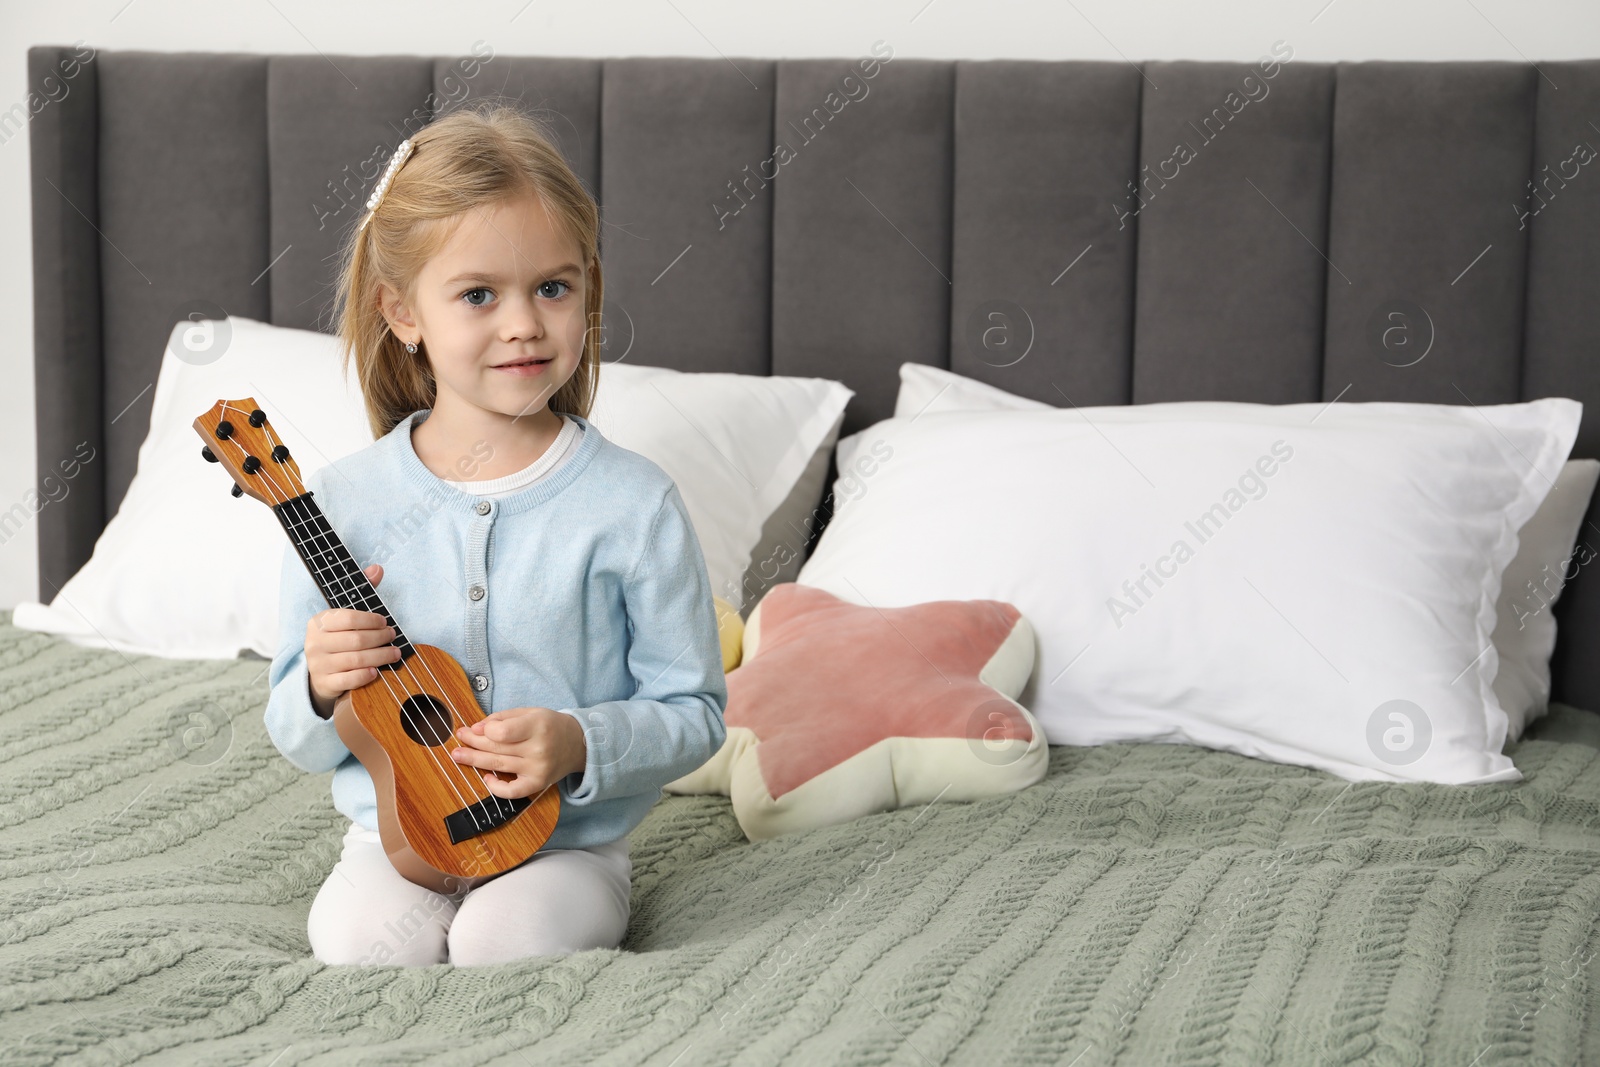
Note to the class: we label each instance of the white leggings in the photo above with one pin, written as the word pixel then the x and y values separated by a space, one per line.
pixel 559 901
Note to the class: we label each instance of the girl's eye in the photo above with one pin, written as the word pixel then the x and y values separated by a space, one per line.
pixel 544 290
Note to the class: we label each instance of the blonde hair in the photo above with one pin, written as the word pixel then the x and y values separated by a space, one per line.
pixel 478 156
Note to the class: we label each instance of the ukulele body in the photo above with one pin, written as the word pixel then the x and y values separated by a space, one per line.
pixel 438 829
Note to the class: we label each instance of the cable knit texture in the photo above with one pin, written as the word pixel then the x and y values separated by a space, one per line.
pixel 1144 904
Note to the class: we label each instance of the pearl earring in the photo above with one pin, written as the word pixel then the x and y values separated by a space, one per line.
pixel 411 346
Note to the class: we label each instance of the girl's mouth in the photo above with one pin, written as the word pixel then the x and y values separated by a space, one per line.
pixel 526 368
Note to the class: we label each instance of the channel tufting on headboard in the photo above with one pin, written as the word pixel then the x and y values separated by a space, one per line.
pixel 1158 231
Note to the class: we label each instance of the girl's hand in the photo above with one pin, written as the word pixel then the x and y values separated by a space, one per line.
pixel 344 648
pixel 522 751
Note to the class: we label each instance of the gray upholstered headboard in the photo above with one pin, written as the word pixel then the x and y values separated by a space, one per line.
pixel 1279 222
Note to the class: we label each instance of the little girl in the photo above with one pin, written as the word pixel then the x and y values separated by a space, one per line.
pixel 559 569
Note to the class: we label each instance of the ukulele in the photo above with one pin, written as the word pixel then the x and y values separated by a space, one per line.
pixel 440 826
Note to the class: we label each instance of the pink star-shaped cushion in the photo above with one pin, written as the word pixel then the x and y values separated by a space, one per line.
pixel 839 710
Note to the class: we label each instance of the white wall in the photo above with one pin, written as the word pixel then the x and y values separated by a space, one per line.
pixel 1242 30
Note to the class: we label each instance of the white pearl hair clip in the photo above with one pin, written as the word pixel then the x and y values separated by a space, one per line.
pixel 401 154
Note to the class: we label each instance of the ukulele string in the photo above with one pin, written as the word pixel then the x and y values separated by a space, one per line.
pixel 420 724
pixel 336 583
pixel 398 699
pixel 500 803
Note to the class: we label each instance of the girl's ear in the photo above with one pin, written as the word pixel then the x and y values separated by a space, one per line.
pixel 394 310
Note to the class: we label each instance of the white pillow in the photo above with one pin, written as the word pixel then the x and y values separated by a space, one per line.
pixel 1547 557
pixel 181 571
pixel 1525 636
pixel 925 389
pixel 1332 609
pixel 735 444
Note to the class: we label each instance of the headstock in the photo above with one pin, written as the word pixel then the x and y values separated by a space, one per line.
pixel 238 436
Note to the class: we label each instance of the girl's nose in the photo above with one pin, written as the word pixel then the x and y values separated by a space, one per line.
pixel 523 322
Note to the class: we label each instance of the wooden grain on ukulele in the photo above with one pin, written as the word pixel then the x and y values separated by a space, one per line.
pixel 439 824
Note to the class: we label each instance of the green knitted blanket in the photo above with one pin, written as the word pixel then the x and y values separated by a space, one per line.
pixel 1145 904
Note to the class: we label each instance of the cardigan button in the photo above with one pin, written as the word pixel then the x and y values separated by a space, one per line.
pixel 483 507
pixel 476 592
pixel 480 682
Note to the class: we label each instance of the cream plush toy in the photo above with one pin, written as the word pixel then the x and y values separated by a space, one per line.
pixel 838 710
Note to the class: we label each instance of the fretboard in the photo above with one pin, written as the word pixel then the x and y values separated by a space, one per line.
pixel 339 577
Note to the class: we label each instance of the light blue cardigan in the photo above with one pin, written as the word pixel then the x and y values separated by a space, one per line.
pixel 585 592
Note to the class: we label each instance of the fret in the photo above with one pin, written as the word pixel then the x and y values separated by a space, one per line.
pixel 331 566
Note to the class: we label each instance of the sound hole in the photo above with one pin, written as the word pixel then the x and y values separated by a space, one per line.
pixel 426 720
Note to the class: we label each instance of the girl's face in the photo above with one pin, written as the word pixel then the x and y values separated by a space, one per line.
pixel 506 288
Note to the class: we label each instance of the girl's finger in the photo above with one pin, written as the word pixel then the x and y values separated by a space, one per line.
pixel 510 727
pixel 490 761
pixel 521 786
pixel 480 741
pixel 355 679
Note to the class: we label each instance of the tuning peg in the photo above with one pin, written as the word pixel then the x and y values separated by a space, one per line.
pixel 236 490
pixel 208 455
pixel 257 417
pixel 224 429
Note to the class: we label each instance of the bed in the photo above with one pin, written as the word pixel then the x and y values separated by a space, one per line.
pixel 1142 904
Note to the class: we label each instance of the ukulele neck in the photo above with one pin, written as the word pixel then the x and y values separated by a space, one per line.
pixel 342 582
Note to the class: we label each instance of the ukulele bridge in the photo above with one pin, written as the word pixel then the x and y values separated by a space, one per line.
pixel 487 814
